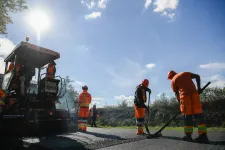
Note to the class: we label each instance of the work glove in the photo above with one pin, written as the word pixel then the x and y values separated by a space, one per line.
pixel 199 91
pixel 149 90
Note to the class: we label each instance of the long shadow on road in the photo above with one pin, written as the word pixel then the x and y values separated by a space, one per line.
pixel 180 139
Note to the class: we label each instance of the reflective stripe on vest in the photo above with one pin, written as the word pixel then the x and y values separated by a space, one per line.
pixel 84 105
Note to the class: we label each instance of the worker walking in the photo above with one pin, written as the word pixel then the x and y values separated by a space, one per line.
pixel 51 70
pixel 83 103
pixel 139 105
pixel 93 113
pixel 190 105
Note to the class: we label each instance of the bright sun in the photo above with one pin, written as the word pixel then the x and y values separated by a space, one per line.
pixel 38 20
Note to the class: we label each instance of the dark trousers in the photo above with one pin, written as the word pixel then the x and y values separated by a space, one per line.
pixel 93 119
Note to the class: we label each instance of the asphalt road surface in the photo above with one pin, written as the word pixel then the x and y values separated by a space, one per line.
pixel 124 139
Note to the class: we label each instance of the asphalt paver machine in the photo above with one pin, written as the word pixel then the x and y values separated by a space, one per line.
pixel 35 110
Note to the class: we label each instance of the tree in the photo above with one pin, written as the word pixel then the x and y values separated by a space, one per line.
pixel 70 88
pixel 7 6
pixel 71 95
pixel 123 104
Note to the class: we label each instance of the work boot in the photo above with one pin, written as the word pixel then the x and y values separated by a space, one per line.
pixel 202 138
pixel 188 138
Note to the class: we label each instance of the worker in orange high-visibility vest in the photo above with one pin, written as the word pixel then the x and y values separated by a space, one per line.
pixel 2 100
pixel 51 70
pixel 83 102
pixel 190 105
pixel 139 105
pixel 11 67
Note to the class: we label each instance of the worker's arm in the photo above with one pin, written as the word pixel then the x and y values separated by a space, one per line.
pixel 198 80
pixel 90 98
pixel 177 94
pixel 80 99
pixel 175 90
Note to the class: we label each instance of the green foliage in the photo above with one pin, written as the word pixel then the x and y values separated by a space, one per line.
pixel 70 88
pixel 7 6
pixel 70 97
pixel 213 102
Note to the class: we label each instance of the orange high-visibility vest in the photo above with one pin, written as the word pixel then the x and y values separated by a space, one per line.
pixel 84 99
pixel 11 66
pixel 50 71
pixel 2 94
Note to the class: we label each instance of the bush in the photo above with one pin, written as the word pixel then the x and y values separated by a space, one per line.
pixel 213 102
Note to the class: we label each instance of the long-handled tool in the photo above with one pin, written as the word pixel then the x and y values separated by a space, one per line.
pixel 158 133
pixel 146 121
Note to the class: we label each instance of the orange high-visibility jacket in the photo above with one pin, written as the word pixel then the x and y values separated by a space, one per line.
pixel 11 66
pixel 84 99
pixel 183 83
pixel 51 71
pixel 2 94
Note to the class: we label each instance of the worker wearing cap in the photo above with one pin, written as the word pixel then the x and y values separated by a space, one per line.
pixel 190 105
pixel 51 70
pixel 139 105
pixel 83 102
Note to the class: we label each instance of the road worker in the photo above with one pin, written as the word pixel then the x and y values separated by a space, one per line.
pixel 11 67
pixel 190 105
pixel 51 70
pixel 83 103
pixel 2 100
pixel 139 105
pixel 94 115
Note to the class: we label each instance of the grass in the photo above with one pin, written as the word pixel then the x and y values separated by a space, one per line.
pixel 167 128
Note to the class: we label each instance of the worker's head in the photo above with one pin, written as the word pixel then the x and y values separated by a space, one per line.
pixel 94 106
pixel 145 83
pixel 85 88
pixel 171 74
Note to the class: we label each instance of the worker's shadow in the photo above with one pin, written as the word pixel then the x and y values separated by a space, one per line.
pixel 210 142
pixel 108 136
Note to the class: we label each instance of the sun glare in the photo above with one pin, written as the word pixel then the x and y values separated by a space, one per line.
pixel 38 20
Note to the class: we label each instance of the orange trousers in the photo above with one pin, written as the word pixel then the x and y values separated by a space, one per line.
pixel 190 105
pixel 140 119
pixel 82 118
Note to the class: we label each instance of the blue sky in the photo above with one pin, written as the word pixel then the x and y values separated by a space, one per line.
pixel 112 45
